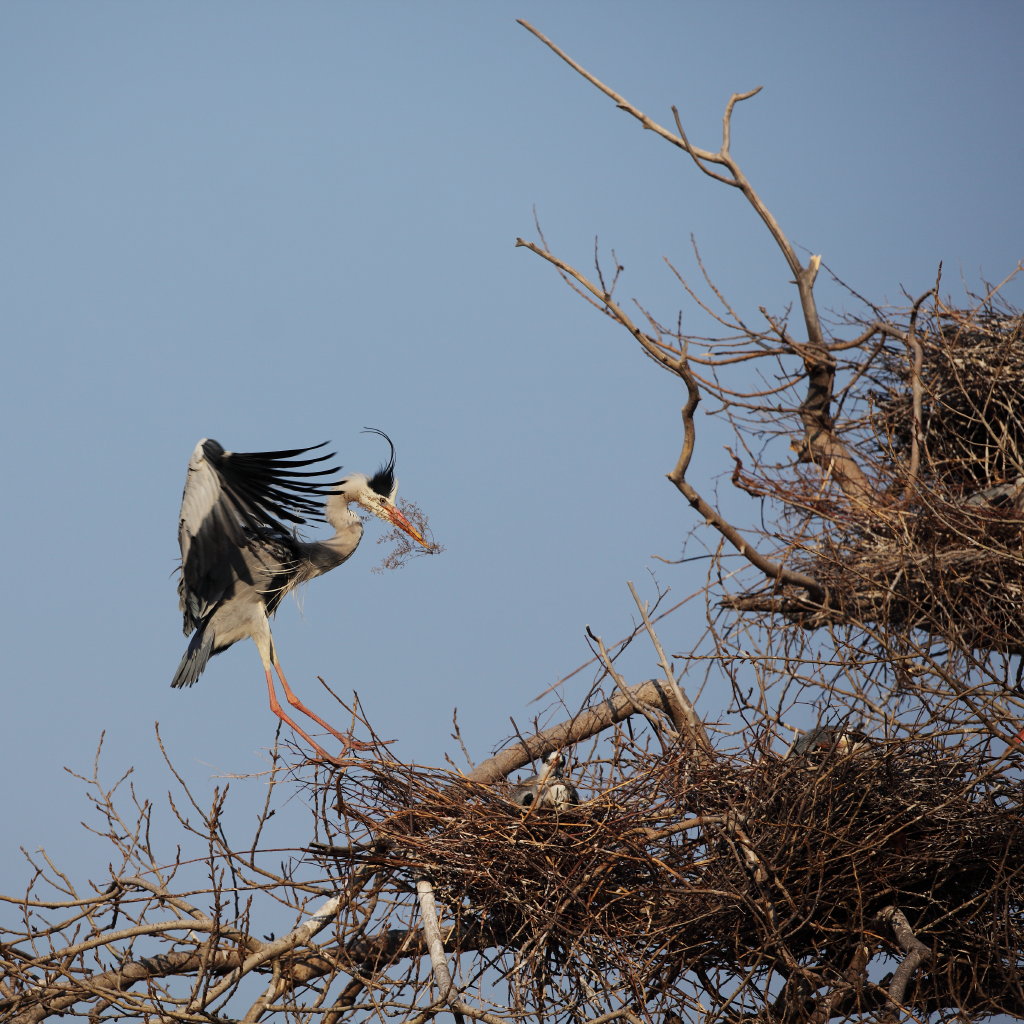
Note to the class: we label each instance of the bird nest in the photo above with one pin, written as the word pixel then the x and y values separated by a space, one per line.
pixel 953 571
pixel 971 386
pixel 731 868
pixel 940 549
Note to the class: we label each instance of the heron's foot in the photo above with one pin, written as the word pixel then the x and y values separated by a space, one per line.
pixel 351 743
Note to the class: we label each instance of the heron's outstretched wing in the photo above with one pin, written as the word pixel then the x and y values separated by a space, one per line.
pixel 230 498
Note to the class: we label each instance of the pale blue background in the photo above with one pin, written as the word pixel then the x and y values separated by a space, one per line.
pixel 275 224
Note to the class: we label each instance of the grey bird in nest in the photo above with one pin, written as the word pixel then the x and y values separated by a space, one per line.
pixel 1007 496
pixel 826 739
pixel 549 788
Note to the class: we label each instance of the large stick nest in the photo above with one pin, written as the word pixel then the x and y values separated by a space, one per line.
pixel 947 556
pixel 954 571
pixel 732 868
pixel 940 550
pixel 972 399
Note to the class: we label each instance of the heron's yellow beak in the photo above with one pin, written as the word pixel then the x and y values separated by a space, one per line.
pixel 399 520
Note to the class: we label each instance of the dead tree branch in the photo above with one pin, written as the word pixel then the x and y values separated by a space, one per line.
pixel 916 954
pixel 822 443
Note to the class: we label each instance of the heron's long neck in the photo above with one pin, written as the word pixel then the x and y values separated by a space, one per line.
pixel 348 531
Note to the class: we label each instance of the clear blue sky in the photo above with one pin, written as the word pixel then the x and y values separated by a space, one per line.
pixel 274 224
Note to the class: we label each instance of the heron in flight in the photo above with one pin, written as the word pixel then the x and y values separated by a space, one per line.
pixel 240 552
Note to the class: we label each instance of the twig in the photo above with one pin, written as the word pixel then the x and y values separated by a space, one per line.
pixel 678 365
pixel 624 690
pixel 313 925
pixel 682 711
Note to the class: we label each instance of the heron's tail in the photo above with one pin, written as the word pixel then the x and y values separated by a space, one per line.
pixel 200 647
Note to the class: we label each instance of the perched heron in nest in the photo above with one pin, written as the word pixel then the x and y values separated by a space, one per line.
pixel 1007 496
pixel 240 556
pixel 824 739
pixel 549 788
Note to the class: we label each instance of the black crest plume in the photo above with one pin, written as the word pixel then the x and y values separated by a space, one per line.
pixel 383 481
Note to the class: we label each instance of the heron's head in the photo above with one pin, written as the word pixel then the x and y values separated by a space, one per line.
pixel 376 494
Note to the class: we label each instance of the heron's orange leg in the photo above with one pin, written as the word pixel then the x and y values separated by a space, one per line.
pixel 279 711
pixel 347 741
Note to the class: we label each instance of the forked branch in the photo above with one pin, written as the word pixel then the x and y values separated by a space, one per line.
pixel 678 365
pixel 822 444
pixel 916 953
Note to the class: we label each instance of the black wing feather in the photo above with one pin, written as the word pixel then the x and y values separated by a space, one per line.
pixel 265 486
pixel 236 499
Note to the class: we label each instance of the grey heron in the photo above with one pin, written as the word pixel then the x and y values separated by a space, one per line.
pixel 549 788
pixel 826 739
pixel 1008 496
pixel 240 556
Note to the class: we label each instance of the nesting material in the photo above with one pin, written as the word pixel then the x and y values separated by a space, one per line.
pixel 941 548
pixel 972 400
pixel 725 868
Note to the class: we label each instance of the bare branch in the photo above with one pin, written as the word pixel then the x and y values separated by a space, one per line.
pixel 620 102
pixel 447 992
pixel 682 711
pixel 582 726
pixel 916 952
